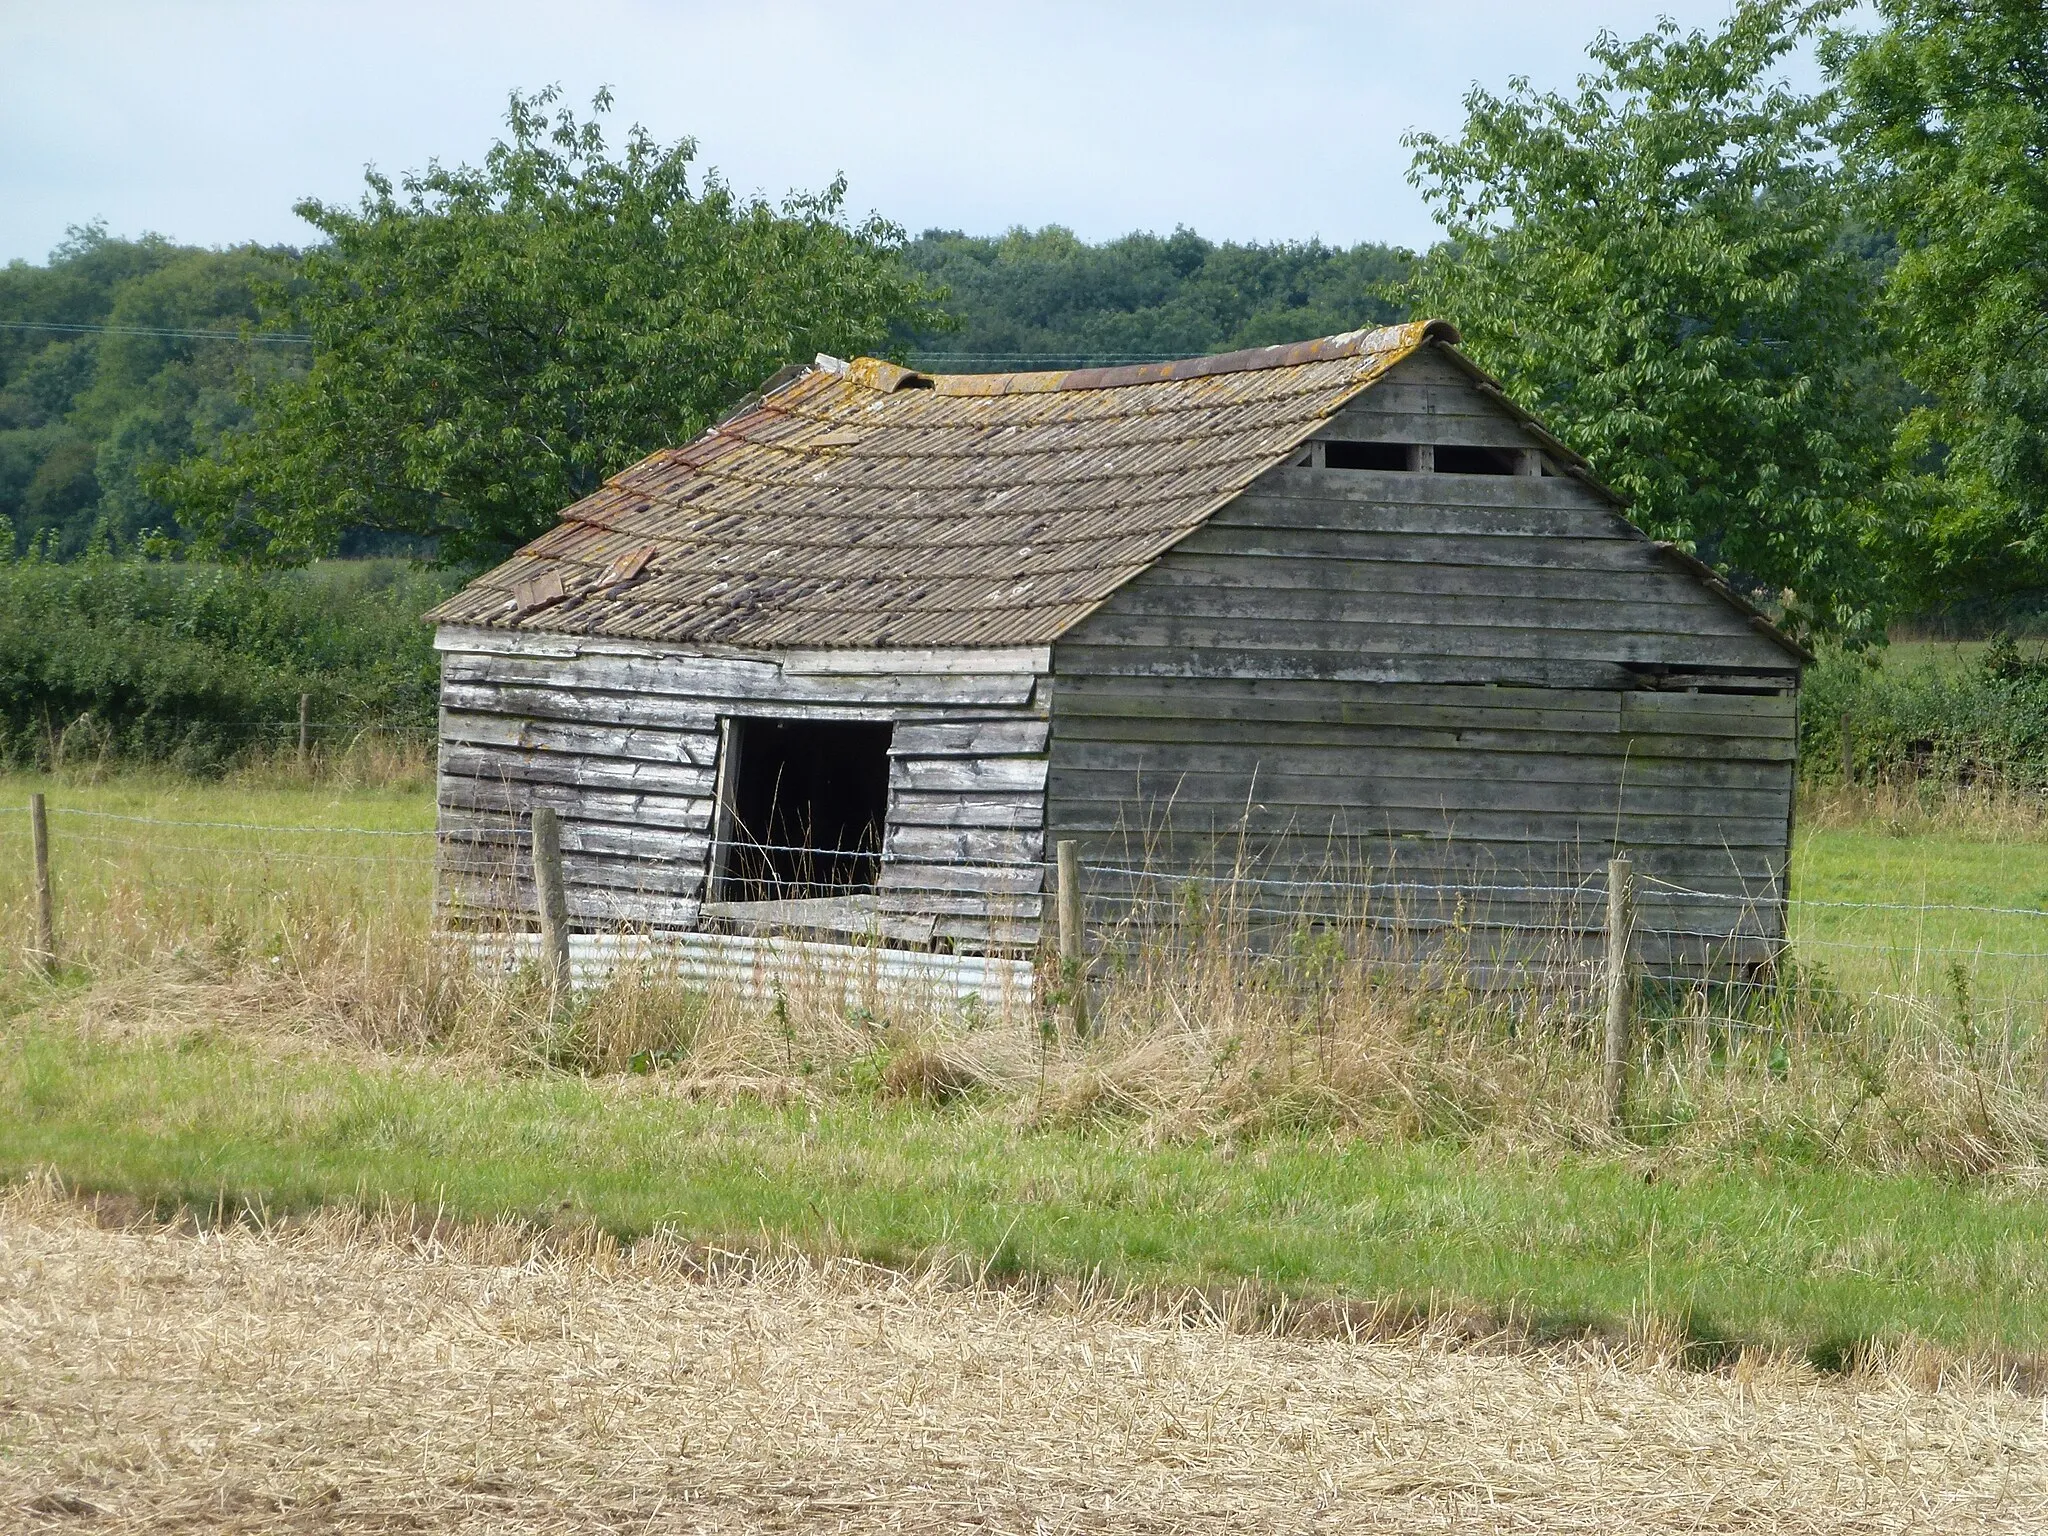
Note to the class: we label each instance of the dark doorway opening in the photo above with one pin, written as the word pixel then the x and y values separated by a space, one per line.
pixel 805 803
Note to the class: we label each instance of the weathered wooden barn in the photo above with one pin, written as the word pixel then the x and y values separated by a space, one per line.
pixel 852 660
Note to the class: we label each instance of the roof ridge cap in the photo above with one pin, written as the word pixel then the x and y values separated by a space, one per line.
pixel 886 377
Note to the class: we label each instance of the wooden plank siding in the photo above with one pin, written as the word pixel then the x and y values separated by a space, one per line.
pixel 1434 681
pixel 622 740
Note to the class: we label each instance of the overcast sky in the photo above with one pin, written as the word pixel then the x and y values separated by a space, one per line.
pixel 206 119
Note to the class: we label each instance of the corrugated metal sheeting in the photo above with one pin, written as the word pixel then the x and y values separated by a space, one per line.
pixel 864 504
pixel 760 967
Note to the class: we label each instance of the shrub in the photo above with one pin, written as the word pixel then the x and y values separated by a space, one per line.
pixel 193 664
pixel 1986 723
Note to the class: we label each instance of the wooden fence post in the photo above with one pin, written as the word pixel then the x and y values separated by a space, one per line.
pixel 1848 751
pixel 46 904
pixel 1621 982
pixel 305 713
pixel 1073 942
pixel 552 896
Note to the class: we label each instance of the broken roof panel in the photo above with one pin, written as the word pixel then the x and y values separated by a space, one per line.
pixel 868 505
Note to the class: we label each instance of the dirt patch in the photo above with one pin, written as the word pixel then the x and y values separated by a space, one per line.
pixel 355 1375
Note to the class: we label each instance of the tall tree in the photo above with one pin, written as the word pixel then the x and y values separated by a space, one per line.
pixel 1947 129
pixel 1657 262
pixel 490 343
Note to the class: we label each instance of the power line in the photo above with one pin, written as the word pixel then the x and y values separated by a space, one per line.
pixel 295 338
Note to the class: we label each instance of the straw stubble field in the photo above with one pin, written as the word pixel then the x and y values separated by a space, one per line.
pixel 351 1374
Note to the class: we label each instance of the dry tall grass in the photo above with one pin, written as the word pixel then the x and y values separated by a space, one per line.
pixel 324 942
pixel 1989 810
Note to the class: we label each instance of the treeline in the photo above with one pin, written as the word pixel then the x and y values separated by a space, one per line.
pixel 119 356
pixel 116 355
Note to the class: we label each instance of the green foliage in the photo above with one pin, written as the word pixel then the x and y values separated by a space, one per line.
pixel 85 416
pixel 492 343
pixel 1658 265
pixel 1948 131
pixel 1985 722
pixel 1046 298
pixel 190 663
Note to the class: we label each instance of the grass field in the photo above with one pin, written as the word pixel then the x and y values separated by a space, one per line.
pixel 256 1018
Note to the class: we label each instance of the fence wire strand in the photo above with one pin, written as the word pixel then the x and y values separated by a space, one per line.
pixel 1146 893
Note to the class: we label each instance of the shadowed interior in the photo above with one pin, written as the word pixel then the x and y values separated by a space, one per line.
pixel 808 799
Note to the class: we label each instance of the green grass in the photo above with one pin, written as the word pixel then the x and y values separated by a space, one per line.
pixel 1809 1260
pixel 340 806
pixel 1763 1248
pixel 1901 939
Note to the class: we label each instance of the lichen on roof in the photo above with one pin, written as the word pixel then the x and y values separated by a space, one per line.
pixel 865 504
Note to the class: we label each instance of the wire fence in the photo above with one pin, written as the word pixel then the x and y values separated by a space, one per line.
pixel 1924 953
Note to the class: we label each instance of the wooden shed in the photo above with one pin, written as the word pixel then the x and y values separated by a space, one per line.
pixel 845 666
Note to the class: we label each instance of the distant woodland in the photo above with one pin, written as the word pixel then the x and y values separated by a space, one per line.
pixel 161 371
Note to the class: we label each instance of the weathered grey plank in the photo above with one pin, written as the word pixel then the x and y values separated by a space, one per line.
pixel 1656 711
pixel 1112 659
pixel 1266 554
pixel 674 711
pixel 1376 508
pixel 1415 887
pixel 594 837
pixel 583 772
pixel 982 845
pixel 580 871
pixel 1353 490
pixel 1591 613
pixel 920 660
pixel 494 795
pixel 1371 782
pixel 944 808
pixel 967 775
pixel 868 661
pixel 1683 755
pixel 968 738
pixel 728 680
pixel 1114 627
pixel 1484 707
pixel 1385 563
pixel 581 705
pixel 693 749
pixel 1402 424
pixel 996 881
pixel 589 906
pixel 972 911
pixel 1592 828
pixel 830 914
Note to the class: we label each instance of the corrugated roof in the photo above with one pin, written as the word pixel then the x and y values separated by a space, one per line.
pixel 864 504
